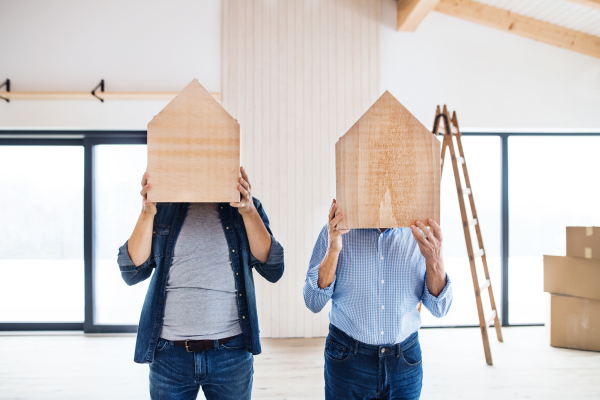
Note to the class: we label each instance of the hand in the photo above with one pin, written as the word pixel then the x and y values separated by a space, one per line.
pixel 430 241
pixel 335 235
pixel 246 205
pixel 148 207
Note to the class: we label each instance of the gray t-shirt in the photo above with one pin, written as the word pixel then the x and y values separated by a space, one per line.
pixel 201 298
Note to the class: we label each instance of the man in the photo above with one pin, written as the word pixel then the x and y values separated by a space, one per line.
pixel 375 278
pixel 199 325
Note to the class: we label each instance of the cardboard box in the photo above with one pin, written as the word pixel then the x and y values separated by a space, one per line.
pixel 572 276
pixel 574 322
pixel 583 242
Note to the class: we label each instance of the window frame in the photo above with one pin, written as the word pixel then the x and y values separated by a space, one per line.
pixel 89 139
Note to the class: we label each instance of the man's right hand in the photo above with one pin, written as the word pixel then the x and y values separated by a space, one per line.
pixel 335 235
pixel 328 265
pixel 147 206
pixel 139 245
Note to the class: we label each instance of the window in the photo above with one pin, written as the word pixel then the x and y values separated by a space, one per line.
pixel 119 170
pixel 552 186
pixel 60 190
pixel 41 234
pixel 482 155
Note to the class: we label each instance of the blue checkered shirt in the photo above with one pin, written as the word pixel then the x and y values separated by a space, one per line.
pixel 380 279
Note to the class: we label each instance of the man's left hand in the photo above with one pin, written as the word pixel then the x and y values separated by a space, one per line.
pixel 245 206
pixel 430 244
pixel 429 241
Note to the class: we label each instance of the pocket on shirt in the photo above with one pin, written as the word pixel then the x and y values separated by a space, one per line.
pixel 336 352
pixel 411 356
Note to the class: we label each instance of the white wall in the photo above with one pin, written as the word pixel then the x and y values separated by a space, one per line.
pixel 297 75
pixel 134 45
pixel 495 80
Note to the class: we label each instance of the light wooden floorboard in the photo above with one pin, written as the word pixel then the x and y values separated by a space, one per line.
pixel 101 367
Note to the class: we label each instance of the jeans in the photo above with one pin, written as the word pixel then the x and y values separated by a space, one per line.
pixel 354 370
pixel 223 373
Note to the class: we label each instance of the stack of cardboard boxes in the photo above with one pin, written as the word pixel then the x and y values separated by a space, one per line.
pixel 574 286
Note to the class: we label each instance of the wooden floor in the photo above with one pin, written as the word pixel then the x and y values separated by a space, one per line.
pixel 101 367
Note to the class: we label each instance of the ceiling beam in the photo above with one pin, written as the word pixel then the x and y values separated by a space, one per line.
pixel 412 12
pixel 521 25
pixel 588 3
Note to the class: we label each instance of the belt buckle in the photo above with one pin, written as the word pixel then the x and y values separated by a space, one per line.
pixel 187 348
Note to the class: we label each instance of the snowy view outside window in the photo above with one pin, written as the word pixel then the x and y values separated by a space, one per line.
pixel 41 234
pixel 119 170
pixel 483 158
pixel 552 185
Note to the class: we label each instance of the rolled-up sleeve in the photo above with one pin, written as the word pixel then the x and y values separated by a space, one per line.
pixel 129 272
pixel 438 305
pixel 315 298
pixel 272 269
pixel 275 254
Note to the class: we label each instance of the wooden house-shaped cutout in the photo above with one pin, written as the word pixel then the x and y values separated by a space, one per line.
pixel 193 150
pixel 387 169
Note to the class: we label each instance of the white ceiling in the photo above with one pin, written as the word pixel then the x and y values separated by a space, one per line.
pixel 558 12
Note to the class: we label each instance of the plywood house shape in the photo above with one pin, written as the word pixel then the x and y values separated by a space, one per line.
pixel 193 150
pixel 387 169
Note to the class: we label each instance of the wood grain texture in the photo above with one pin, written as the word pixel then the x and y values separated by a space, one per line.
pixel 387 169
pixel 297 75
pixel 193 150
pixel 412 12
pixel 521 25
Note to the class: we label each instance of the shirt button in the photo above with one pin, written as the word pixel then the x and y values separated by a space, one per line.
pixel 382 332
pixel 226 227
pixel 382 258
pixel 383 350
pixel 244 317
pixel 382 281
pixel 233 251
pixel 236 273
pixel 240 295
pixel 382 307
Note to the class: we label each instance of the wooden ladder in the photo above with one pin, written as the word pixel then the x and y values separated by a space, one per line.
pixel 449 131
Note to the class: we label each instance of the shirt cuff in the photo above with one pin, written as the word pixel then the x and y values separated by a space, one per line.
pixel 125 262
pixel 314 284
pixel 440 297
pixel 275 253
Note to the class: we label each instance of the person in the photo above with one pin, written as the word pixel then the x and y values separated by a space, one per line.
pixel 199 325
pixel 375 279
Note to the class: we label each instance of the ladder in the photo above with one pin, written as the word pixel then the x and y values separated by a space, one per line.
pixel 450 131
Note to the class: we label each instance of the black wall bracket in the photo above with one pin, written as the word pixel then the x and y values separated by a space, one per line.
pixel 7 85
pixel 101 86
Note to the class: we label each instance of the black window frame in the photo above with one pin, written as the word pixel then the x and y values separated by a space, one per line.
pixel 89 139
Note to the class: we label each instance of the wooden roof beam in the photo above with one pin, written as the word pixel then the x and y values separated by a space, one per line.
pixel 521 25
pixel 412 12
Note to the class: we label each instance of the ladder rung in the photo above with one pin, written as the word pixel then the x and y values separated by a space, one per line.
pixel 485 285
pixel 478 253
pixel 489 320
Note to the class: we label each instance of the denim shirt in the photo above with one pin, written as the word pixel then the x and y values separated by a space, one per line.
pixel 168 221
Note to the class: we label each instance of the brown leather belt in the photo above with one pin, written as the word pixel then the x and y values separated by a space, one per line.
pixel 196 346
